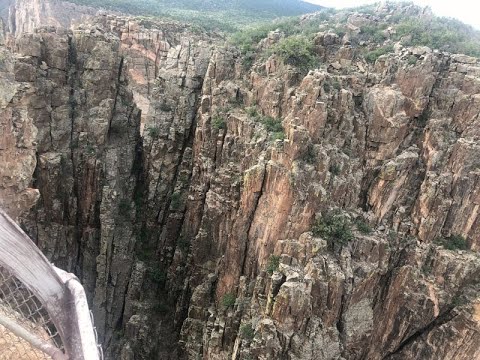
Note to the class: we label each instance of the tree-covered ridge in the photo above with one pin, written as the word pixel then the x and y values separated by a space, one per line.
pixel 226 15
pixel 371 30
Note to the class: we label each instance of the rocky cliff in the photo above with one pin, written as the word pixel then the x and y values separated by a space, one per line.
pixel 24 16
pixel 216 211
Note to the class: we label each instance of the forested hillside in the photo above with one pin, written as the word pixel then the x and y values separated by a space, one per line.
pixel 374 35
pixel 226 15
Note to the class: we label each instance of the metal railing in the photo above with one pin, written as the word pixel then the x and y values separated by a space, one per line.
pixel 44 313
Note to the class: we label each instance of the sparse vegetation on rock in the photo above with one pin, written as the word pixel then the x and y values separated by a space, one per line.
pixel 247 331
pixel 453 242
pixel 219 122
pixel 334 227
pixel 273 264
pixel 363 226
pixel 296 50
pixel 228 300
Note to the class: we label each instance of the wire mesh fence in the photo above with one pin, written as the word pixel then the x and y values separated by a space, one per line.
pixel 21 306
pixel 44 312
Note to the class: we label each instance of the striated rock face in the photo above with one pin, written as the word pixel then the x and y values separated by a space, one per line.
pixel 86 146
pixel 366 145
pixel 24 16
pixel 139 155
pixel 17 140
pixel 95 174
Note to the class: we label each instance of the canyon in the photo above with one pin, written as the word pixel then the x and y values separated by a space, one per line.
pixel 135 153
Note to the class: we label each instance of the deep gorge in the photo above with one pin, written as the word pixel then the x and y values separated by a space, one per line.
pixel 140 156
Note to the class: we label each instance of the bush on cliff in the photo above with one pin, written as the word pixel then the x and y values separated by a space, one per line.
pixel 247 331
pixel 363 226
pixel 441 33
pixel 272 125
pixel 334 227
pixel 373 55
pixel 228 300
pixel 219 122
pixel 453 242
pixel 298 51
pixel 273 264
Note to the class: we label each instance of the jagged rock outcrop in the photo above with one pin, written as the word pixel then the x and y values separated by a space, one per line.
pixel 146 158
pixel 17 140
pixel 384 117
pixel 86 146
pixel 87 159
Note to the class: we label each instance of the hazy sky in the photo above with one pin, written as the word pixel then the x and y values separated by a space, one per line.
pixel 467 11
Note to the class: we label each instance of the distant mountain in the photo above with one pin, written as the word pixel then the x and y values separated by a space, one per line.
pixel 228 15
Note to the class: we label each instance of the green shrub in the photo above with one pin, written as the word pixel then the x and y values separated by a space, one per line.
pixel 412 60
pixel 364 9
pixel 219 122
pixel 373 55
pixel 274 127
pixel 336 85
pixel 235 101
pixel 124 207
pixel 247 40
pixel 297 51
pixel 248 59
pixel 363 226
pixel 310 155
pixel 153 132
pixel 161 308
pixel 183 244
pixel 272 124
pixel 333 227
pixel 374 32
pixel 144 248
pixel 157 276
pixel 441 33
pixel 228 300
pixel 273 264
pixel 278 135
pixel 247 331
pixel 175 201
pixel 427 268
pixel 393 235
pixel 327 87
pixel 252 111
pixel 227 16
pixel 458 300
pixel 90 149
pixel 454 242
pixel 340 30
pixel 165 107
pixel 335 169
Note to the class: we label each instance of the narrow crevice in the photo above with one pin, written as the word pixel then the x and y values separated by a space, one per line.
pixel 188 142
pixel 396 259
pixel 71 79
pixel 440 320
pixel 117 85
pixel 340 324
pixel 250 219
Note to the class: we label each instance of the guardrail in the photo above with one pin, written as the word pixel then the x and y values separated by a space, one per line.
pixel 44 312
